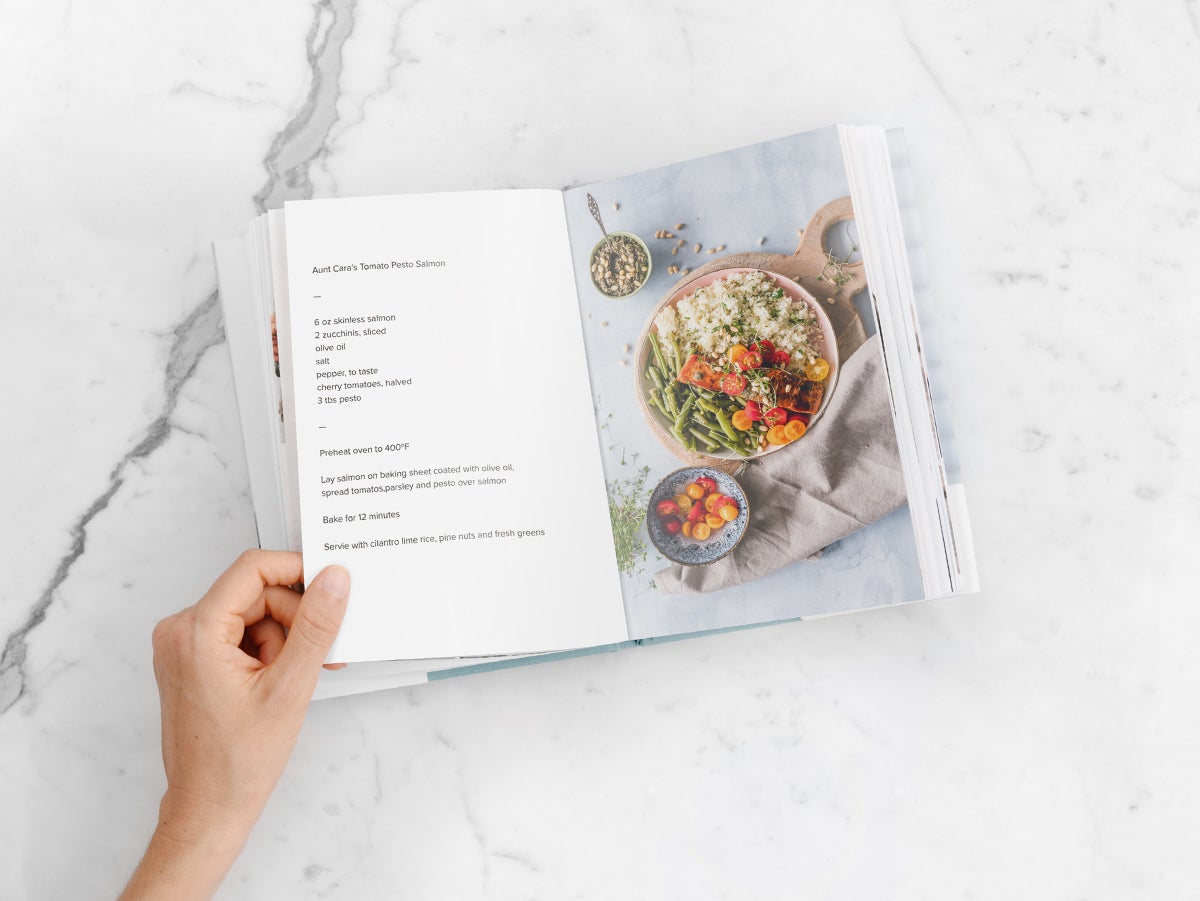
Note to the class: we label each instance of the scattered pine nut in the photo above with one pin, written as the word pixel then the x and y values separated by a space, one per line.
pixel 680 242
pixel 624 362
pixel 679 226
pixel 711 250
pixel 674 250
pixel 616 206
pixel 627 348
pixel 684 271
pixel 603 325
pixel 696 248
pixel 718 248
pixel 762 241
pixel 672 269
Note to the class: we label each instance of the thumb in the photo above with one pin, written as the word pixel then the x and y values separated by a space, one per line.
pixel 315 626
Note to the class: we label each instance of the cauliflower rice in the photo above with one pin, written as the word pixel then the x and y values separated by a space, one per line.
pixel 741 309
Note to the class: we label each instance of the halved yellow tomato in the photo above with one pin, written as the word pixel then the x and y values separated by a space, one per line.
pixel 741 421
pixel 684 502
pixel 794 429
pixel 687 530
pixel 817 370
pixel 701 531
pixel 713 521
pixel 777 434
pixel 694 491
pixel 735 352
pixel 729 512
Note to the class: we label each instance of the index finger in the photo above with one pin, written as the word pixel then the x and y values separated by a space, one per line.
pixel 238 592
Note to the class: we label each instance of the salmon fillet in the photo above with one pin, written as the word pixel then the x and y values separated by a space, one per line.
pixel 795 393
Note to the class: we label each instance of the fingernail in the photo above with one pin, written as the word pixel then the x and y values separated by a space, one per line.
pixel 335 580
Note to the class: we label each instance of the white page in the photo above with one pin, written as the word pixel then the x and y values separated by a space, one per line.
pixel 482 366
pixel 276 248
pixel 249 361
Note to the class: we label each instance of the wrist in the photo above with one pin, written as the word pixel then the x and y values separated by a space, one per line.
pixel 194 845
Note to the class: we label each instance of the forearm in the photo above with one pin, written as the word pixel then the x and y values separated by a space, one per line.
pixel 191 850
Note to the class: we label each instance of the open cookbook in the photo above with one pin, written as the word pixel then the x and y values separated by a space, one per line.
pixel 539 422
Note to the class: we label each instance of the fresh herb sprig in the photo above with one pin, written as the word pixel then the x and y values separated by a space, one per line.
pixel 627 499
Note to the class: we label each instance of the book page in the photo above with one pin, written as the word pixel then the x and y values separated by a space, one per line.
pixel 446 447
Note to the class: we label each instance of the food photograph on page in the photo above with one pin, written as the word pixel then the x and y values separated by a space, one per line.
pixel 741 393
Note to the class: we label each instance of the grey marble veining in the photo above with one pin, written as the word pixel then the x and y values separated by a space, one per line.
pixel 1036 740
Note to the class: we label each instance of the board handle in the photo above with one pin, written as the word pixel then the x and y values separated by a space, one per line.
pixel 821 276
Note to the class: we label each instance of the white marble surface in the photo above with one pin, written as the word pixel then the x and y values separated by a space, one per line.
pixel 1038 740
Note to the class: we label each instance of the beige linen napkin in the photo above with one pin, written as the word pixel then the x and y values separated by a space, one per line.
pixel 843 475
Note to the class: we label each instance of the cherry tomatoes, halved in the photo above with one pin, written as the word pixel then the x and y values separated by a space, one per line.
pixel 741 420
pixel 696 513
pixel 733 383
pixel 684 502
pixel 776 435
pixel 713 521
pixel 672 526
pixel 701 531
pixel 694 491
pixel 667 508
pixel 709 485
pixel 735 352
pixel 794 429
pixel 687 530
pixel 751 359
pixel 728 512
pixel 754 411
pixel 775 416
pixel 767 349
pixel 781 358
pixel 817 370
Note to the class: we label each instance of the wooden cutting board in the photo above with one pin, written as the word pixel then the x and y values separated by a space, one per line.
pixel 810 268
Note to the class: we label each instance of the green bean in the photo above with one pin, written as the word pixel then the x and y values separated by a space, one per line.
pixel 672 400
pixel 684 411
pixel 708 442
pixel 655 376
pixel 706 404
pixel 658 354
pixel 726 425
pixel 675 353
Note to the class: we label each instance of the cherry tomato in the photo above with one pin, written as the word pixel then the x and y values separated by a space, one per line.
pixel 696 513
pixel 741 420
pixel 766 348
pixel 794 429
pixel 709 485
pixel 802 417
pixel 736 352
pixel 751 359
pixel 775 416
pixel 687 530
pixel 776 435
pixel 732 383
pixel 713 521
pixel 667 508
pixel 781 358
pixel 684 502
pixel 728 512
pixel 701 530
pixel 710 502
pixel 695 491
pixel 754 411
pixel 817 370
pixel 672 526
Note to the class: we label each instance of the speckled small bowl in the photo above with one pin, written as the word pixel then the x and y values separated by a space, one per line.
pixel 593 256
pixel 688 551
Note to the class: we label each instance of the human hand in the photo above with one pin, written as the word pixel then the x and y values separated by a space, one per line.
pixel 234 687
